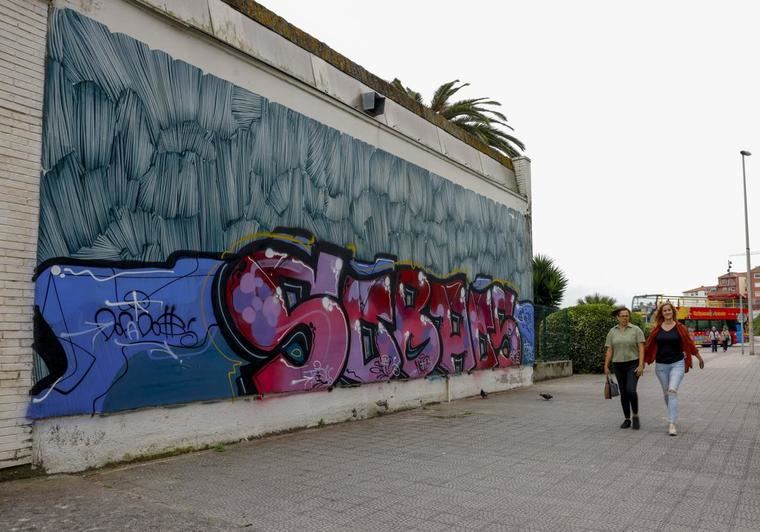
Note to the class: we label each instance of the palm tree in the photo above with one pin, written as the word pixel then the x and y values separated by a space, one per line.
pixel 597 298
pixel 549 282
pixel 474 115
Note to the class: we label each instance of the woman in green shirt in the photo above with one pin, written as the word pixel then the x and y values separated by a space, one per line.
pixel 625 349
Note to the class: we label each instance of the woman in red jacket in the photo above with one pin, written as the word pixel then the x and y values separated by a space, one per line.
pixel 670 345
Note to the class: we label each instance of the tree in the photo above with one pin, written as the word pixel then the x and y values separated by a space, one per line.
pixel 549 282
pixel 474 115
pixel 597 298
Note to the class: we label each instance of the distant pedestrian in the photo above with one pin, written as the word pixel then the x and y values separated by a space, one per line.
pixel 670 345
pixel 625 349
pixel 714 337
pixel 726 338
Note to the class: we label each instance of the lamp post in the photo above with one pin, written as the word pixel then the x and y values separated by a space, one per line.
pixel 744 154
pixel 741 313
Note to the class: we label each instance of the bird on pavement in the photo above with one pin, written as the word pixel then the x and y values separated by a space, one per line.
pixel 546 396
pixel 483 394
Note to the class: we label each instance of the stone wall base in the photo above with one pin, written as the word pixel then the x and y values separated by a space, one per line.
pixel 77 443
pixel 552 370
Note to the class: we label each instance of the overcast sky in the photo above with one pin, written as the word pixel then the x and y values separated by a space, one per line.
pixel 633 114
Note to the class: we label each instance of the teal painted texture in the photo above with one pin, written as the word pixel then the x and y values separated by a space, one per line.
pixel 145 155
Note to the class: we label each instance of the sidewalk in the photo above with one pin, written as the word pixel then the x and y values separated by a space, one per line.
pixel 510 462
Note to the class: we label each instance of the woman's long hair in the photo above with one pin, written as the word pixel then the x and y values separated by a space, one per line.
pixel 659 318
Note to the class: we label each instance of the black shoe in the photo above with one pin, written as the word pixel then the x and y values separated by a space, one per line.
pixel 626 424
pixel 636 423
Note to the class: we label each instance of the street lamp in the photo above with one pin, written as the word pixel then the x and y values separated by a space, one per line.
pixel 741 314
pixel 744 154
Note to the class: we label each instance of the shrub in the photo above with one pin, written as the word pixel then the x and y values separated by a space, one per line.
pixel 638 320
pixel 578 333
pixel 591 323
pixel 556 334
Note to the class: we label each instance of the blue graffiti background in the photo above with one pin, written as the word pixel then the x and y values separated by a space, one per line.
pixel 133 338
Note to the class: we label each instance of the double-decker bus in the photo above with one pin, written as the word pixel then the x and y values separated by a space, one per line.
pixel 698 314
pixel 700 320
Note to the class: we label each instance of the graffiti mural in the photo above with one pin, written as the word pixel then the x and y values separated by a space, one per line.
pixel 287 313
pixel 151 289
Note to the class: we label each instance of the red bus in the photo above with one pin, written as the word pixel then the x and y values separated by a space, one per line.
pixel 700 320
pixel 693 312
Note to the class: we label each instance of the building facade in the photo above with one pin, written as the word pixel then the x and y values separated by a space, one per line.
pixel 730 290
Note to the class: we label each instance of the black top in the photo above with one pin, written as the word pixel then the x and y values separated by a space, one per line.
pixel 668 346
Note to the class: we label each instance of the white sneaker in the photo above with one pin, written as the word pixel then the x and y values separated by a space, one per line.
pixel 672 429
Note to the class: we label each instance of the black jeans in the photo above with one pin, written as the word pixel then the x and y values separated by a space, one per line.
pixel 625 372
pixel 714 346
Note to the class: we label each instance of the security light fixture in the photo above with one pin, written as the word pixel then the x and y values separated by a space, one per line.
pixel 373 103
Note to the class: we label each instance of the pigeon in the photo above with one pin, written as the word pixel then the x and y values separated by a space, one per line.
pixel 483 394
pixel 546 396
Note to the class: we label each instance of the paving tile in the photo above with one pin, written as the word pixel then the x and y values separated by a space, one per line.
pixel 514 463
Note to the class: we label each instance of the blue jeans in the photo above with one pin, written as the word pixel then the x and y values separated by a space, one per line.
pixel 670 376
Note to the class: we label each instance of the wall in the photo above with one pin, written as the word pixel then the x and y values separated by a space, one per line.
pixel 199 241
pixel 22 49
pixel 554 369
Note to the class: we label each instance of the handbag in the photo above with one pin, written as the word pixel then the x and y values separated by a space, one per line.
pixel 610 388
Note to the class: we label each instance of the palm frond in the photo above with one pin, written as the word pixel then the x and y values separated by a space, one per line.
pixel 477 116
pixel 494 137
pixel 549 282
pixel 414 95
pixel 443 93
pixel 597 299
pixel 465 113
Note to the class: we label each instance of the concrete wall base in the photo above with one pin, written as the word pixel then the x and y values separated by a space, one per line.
pixel 77 443
pixel 552 370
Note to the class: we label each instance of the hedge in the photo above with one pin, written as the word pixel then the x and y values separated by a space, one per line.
pixel 578 333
